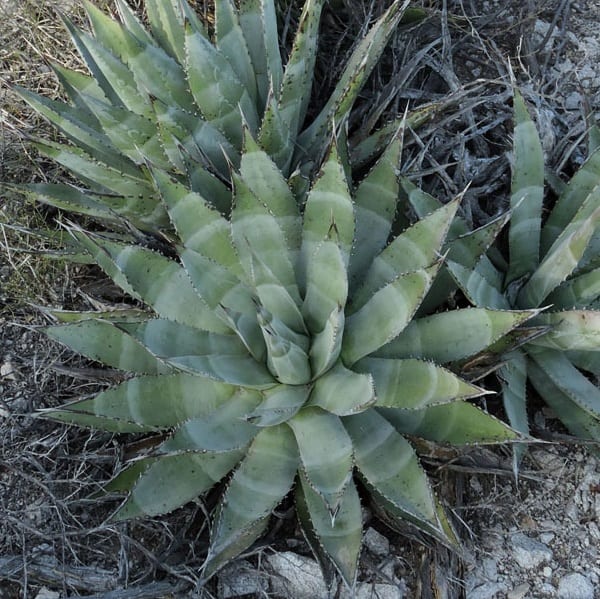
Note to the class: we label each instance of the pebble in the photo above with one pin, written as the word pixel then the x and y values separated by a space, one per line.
pixel 575 586
pixel 488 590
pixel 296 576
pixel 519 591
pixel 44 593
pixel 241 578
pixel 528 552
pixel 376 543
pixel 367 590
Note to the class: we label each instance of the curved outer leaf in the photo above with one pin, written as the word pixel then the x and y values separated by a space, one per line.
pixel 578 420
pixel 231 42
pixel 224 429
pixel 104 342
pixel 457 423
pixel 570 382
pixel 161 283
pixel 435 337
pixel 171 481
pixel 260 482
pixel 343 392
pixel 414 384
pixel 295 92
pixel 585 360
pixel 338 540
pixel 386 314
pixel 375 198
pixel 222 98
pixel 417 247
pixel 391 467
pixel 570 330
pixel 513 378
pixel 585 180
pixel 527 194
pixel 358 68
pixel 166 23
pixel 561 260
pixel 258 20
pixel 577 292
pixel 147 403
pixel 325 453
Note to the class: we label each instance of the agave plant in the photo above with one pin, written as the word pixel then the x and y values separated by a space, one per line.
pixel 551 263
pixel 278 354
pixel 175 97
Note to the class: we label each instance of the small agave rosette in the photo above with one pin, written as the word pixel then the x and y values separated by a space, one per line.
pixel 283 354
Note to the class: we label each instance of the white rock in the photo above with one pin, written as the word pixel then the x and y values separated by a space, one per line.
pixel 519 591
pixel 242 578
pixel 489 590
pixel 528 552
pixel 575 586
pixel 376 543
pixel 296 576
pixel 45 593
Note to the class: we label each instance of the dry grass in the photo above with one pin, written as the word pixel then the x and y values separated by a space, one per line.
pixel 50 533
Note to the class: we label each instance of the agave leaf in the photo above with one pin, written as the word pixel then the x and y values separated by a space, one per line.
pixel 295 92
pixel 120 315
pixel 258 20
pixel 456 423
pixel 343 392
pixel 572 383
pixel 279 405
pixel 161 283
pixel 262 479
pixel 114 78
pixel 201 139
pixel 326 284
pixel 80 127
pixel 585 360
pixel 375 198
pixel 224 429
pixel 259 239
pixel 577 292
pixel 104 342
pixel 131 22
pixel 416 248
pixel 171 481
pixel 559 263
pixel 581 185
pixel 578 420
pixel 358 68
pixel 266 182
pixel 476 287
pixel 329 208
pixel 390 466
pixel 200 227
pixel 153 69
pixel 513 378
pixel 414 384
pixel 434 337
pixel 217 91
pixel 527 194
pixel 138 404
pixel 133 135
pixel 276 138
pixel 166 23
pixel 101 177
pixel 78 86
pixel 327 344
pixel 328 463
pixel 577 330
pixel 386 314
pixel 339 540
pixel 141 212
pixel 221 357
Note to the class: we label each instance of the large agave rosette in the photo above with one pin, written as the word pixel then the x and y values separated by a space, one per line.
pixel 279 353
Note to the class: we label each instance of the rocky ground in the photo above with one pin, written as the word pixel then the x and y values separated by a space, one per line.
pixel 535 538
